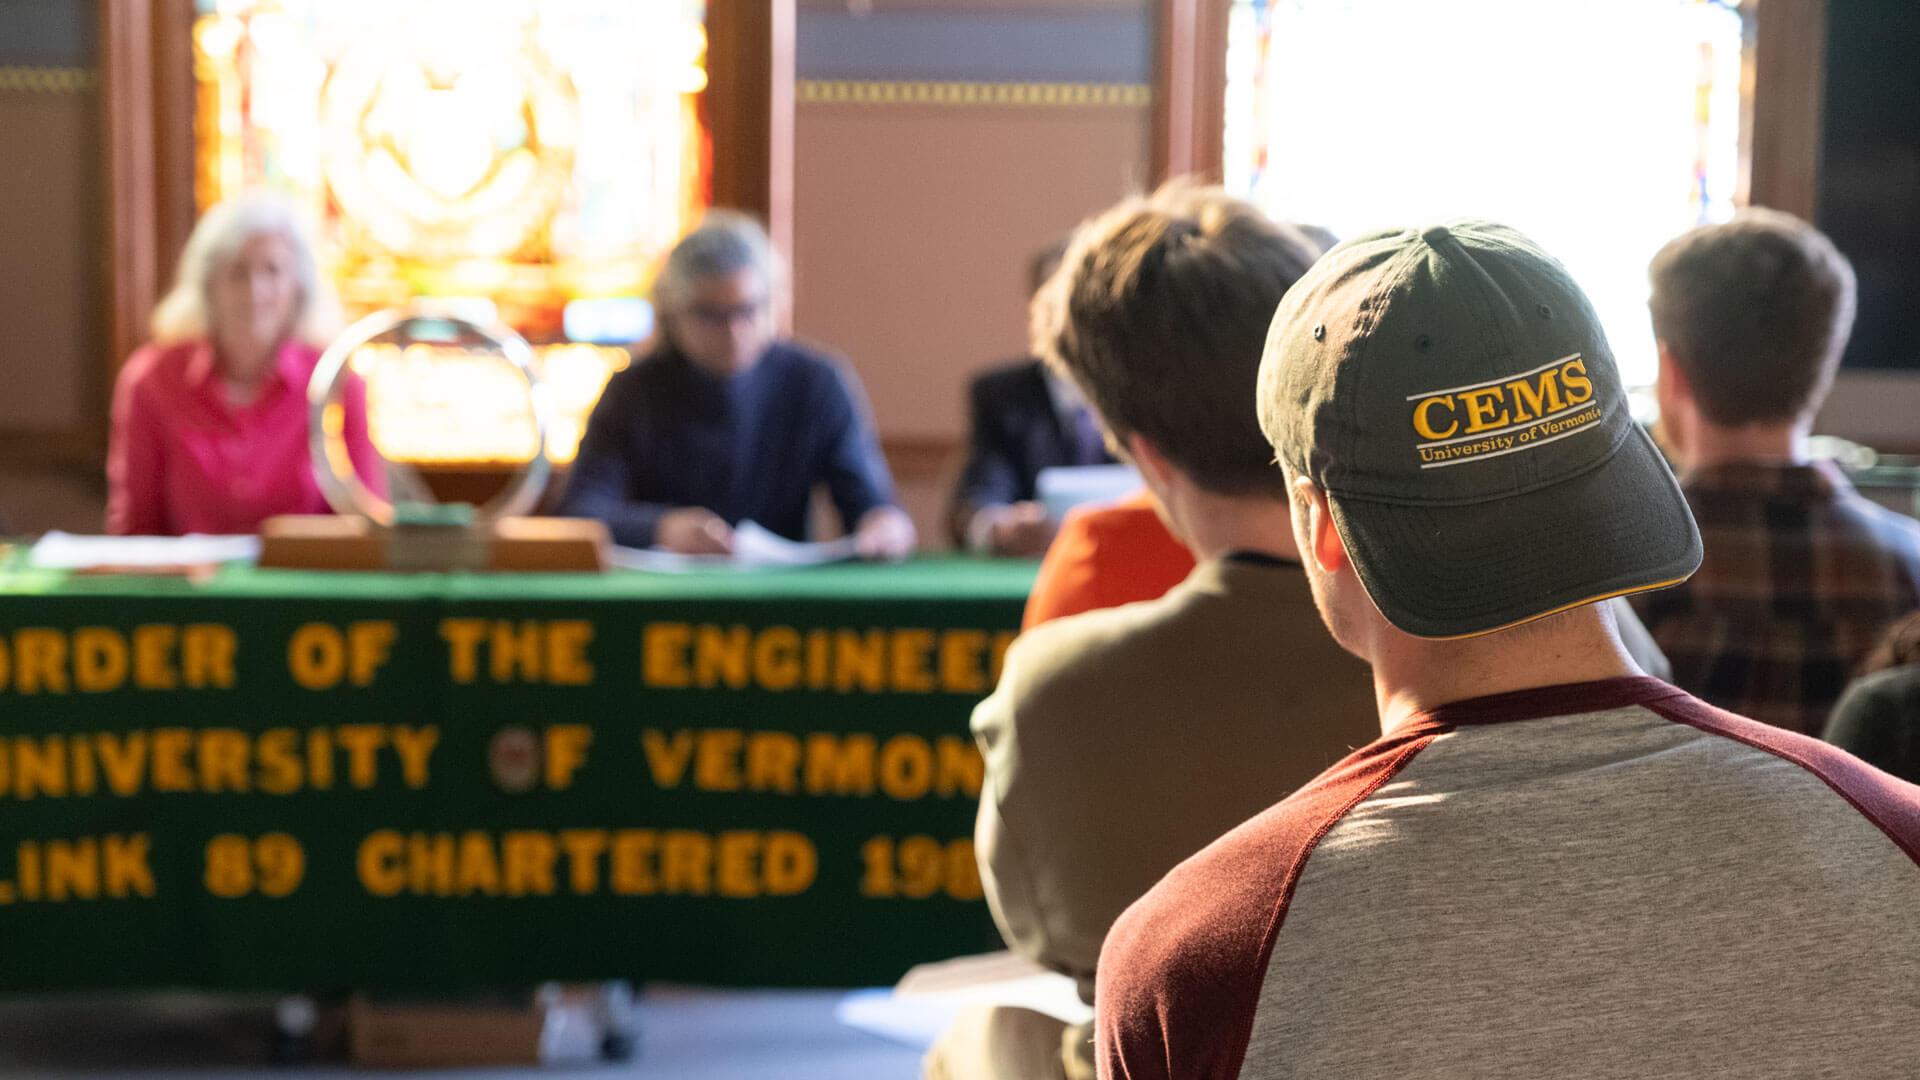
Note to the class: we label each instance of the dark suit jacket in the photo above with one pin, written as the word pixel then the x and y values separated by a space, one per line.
pixel 1016 432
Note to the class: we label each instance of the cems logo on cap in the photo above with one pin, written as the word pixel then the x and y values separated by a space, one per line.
pixel 1504 416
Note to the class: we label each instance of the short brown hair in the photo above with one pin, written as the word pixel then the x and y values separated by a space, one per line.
pixel 1159 312
pixel 1755 312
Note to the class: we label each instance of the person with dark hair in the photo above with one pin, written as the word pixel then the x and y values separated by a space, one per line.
pixel 1547 864
pixel 1118 742
pixel 1878 718
pixel 722 423
pixel 1023 417
pixel 1801 571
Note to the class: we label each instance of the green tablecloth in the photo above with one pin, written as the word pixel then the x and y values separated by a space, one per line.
pixel 319 781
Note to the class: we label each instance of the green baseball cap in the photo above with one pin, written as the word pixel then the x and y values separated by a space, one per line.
pixel 1451 391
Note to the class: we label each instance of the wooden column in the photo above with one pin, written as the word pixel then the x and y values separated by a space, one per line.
pixel 1190 88
pixel 750 109
pixel 1789 82
pixel 126 81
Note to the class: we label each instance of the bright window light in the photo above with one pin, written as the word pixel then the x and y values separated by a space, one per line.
pixel 1599 129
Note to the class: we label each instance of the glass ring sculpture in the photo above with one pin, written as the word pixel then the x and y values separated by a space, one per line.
pixel 439 324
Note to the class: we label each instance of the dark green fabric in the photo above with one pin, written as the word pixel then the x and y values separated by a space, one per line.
pixel 937 622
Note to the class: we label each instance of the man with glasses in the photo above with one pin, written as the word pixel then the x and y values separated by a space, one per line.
pixel 720 423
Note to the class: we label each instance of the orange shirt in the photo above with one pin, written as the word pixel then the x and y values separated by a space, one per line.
pixel 1105 556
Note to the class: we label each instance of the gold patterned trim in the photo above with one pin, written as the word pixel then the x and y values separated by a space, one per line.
pixel 46 80
pixel 1000 95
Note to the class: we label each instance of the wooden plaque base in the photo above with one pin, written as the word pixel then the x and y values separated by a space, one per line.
pixel 517 545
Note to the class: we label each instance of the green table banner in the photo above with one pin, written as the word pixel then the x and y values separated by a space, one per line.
pixel 329 781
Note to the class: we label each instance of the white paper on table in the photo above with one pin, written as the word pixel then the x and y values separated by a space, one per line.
pixel 67 551
pixel 1065 487
pixel 754 547
pixel 925 1003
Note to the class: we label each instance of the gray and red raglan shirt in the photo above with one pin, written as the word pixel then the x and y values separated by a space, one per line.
pixel 1606 879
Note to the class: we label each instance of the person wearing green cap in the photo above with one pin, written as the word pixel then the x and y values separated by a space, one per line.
pixel 1548 864
pixel 1120 741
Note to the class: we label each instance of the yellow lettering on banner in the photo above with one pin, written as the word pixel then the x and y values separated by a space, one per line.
pixel 716 764
pixel 370 645
pixel 153 657
pixel 6 662
pixel 667 760
pixel 514 651
pixel 788 864
pixel 632 870
pixel 39 661
pixel 72 869
pixel 415 748
pixel 860 660
pixel 566 753
pixel 583 848
pixel 1002 641
pixel 126 870
pixel 39 767
pixel 773 762
pixel 169 760
pixel 839 766
pixel 208 653
pixel 86 776
pixel 961 768
pixel 664 655
pixel 379 863
pixel 430 864
pixel 819 656
pixel 960 671
pixel 776 658
pixel 362 742
pixel 223 760
pixel 26 869
pixel 279 768
pixel 529 858
pixel 319 759
pixel 123 761
pixel 100 659
pixel 478 871
pixel 463 637
pixel 686 863
pixel 317 656
pixel 567 663
pixel 735 875
pixel 721 656
pixel 911 649
pixel 906 767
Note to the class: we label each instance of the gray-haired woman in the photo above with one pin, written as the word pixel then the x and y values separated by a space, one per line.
pixel 210 419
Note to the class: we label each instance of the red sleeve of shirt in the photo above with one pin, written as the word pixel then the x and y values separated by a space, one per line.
pixel 135 468
pixel 1180 973
pixel 1893 805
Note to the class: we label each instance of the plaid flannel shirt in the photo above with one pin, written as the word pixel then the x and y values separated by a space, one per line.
pixel 1801 575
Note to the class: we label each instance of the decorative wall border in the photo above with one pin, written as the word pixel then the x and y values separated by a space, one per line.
pixel 975 94
pixel 47 80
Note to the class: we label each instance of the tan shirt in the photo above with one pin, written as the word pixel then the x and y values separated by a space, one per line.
pixel 1119 742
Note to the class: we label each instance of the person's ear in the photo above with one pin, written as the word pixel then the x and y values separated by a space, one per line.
pixel 1323 541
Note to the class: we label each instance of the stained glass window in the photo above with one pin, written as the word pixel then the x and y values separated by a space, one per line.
pixel 1602 130
pixel 529 154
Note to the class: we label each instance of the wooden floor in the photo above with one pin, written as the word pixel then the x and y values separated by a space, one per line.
pixel 685 1034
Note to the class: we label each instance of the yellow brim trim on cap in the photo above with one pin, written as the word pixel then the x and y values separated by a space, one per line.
pixel 1556 611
